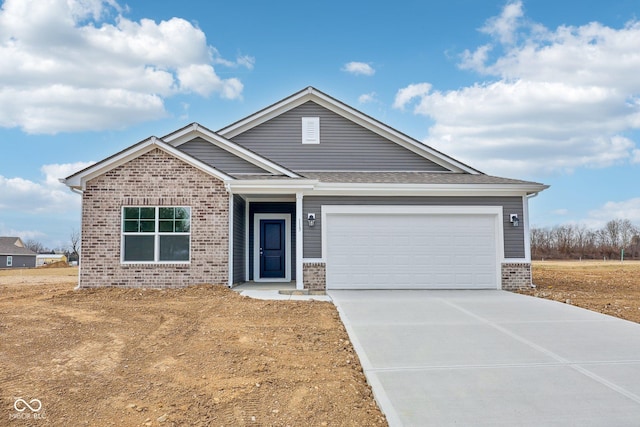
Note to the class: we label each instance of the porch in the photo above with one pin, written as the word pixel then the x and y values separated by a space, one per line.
pixel 266 242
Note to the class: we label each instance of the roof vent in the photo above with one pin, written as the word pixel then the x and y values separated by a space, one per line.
pixel 311 130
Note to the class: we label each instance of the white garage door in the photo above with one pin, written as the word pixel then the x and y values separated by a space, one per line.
pixel 411 251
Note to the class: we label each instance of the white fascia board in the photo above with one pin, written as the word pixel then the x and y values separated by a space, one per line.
pixel 270 187
pixel 80 179
pixel 266 114
pixel 326 189
pixel 190 132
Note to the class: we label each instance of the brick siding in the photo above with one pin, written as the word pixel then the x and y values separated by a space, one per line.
pixel 314 276
pixel 516 276
pixel 154 179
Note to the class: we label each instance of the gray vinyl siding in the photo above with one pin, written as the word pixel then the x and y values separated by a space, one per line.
pixel 239 239
pixel 218 158
pixel 273 207
pixel 19 261
pixel 513 236
pixel 344 145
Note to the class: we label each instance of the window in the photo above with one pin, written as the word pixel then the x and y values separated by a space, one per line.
pixel 9 261
pixel 311 130
pixel 156 234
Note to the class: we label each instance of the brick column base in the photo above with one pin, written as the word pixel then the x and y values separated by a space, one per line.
pixel 314 276
pixel 516 276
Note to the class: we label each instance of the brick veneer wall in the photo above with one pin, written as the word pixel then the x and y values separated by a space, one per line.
pixel 154 179
pixel 516 276
pixel 314 276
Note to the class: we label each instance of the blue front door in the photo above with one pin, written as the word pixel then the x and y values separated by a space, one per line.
pixel 272 248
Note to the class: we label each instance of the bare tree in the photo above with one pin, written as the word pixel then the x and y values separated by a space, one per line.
pixel 577 241
pixel 35 246
pixel 75 244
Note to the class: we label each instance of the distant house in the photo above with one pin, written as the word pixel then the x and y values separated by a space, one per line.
pixel 13 254
pixel 44 259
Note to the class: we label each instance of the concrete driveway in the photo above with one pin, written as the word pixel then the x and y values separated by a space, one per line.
pixel 493 358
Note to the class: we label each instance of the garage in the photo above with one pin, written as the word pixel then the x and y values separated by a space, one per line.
pixel 408 247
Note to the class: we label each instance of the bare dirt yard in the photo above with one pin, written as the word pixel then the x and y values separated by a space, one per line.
pixel 610 287
pixel 199 356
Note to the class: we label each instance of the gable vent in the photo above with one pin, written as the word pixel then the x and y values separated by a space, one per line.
pixel 311 130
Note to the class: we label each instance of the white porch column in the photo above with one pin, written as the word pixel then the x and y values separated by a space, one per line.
pixel 526 230
pixel 299 223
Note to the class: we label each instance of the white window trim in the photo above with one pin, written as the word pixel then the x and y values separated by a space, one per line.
pixel 9 261
pixel 156 240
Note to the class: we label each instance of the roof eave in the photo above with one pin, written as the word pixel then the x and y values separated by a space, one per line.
pixel 187 133
pixel 79 179
pixel 266 186
pixel 395 189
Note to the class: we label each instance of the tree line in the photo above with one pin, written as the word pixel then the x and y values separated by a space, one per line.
pixel 618 238
pixel 71 249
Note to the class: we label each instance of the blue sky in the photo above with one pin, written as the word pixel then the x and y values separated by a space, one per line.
pixel 540 90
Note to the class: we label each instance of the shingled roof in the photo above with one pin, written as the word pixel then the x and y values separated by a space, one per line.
pixel 13 246
pixel 409 178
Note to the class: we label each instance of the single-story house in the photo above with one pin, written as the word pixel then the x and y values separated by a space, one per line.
pixel 13 254
pixel 44 259
pixel 308 190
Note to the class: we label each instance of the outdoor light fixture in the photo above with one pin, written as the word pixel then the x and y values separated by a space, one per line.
pixel 513 218
pixel 311 218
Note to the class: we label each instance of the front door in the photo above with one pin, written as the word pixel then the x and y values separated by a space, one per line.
pixel 272 248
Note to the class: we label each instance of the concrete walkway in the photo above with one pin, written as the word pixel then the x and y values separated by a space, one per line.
pixel 493 358
pixel 273 294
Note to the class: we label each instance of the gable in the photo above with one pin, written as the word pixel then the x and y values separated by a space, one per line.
pixel 218 158
pixel 14 246
pixel 80 178
pixel 344 145
pixel 154 170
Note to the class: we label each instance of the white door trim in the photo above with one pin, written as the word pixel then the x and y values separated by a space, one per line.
pixel 256 246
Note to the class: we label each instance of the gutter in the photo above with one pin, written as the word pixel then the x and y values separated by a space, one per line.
pixel 75 190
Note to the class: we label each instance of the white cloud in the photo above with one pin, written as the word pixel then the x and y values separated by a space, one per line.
pixel 405 95
pixel 23 234
pixel 49 195
pixel 241 60
pixel 504 26
pixel 626 209
pixel 359 68
pixel 559 100
pixel 368 98
pixel 73 65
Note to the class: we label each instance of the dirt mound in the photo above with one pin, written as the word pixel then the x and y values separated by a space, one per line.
pixel 197 356
pixel 59 264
